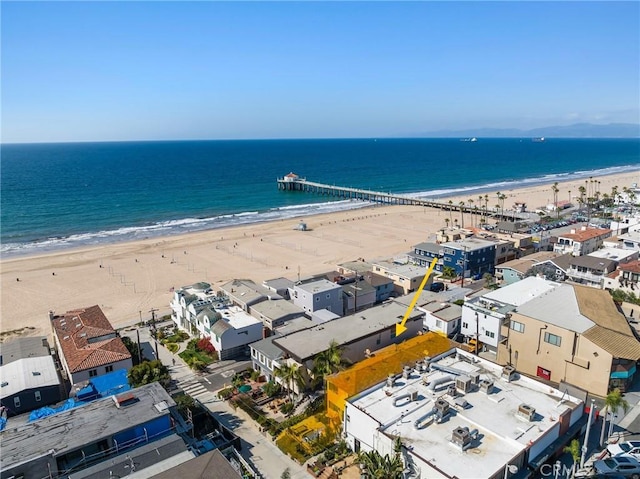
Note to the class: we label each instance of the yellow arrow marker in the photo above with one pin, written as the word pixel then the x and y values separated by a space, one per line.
pixel 400 328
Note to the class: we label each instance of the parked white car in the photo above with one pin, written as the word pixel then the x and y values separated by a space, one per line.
pixel 626 448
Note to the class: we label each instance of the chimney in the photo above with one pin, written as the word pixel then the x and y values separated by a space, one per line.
pixel 51 315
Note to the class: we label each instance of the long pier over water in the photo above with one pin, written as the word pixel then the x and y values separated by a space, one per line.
pixel 293 182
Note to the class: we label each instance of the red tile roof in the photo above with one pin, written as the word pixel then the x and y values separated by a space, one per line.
pixel 87 339
pixel 632 266
pixel 584 235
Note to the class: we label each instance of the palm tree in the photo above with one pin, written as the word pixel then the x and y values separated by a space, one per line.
pixel 583 192
pixel 329 361
pixel 612 402
pixel 290 375
pixel 450 208
pixel 574 449
pixel 555 190
pixel 446 220
pixel 470 201
pixel 480 203
pixel 462 213
pixel 381 467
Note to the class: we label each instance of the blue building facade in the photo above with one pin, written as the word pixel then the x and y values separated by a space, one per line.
pixel 471 257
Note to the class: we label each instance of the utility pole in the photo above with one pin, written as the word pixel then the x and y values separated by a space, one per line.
pixel 155 332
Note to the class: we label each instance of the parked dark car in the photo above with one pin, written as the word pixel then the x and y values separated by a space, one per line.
pixel 437 287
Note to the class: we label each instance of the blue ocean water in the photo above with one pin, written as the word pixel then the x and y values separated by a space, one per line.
pixel 55 196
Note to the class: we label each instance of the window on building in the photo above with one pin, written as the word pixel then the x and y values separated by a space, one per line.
pixel 438 323
pixel 393 333
pixel 254 353
pixel 38 396
pixel 490 334
pixel 552 339
pixel 516 326
pixel 108 369
pixel 465 325
pixel 93 373
pixel 16 402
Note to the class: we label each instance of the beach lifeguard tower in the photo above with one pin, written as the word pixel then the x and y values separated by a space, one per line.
pixel 302 226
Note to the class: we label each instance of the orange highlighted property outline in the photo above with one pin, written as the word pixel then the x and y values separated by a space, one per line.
pixel 400 327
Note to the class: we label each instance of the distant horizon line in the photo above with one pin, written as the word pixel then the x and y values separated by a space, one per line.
pixel 374 138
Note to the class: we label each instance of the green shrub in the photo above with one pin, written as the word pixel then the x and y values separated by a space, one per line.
pixel 287 408
pixel 173 347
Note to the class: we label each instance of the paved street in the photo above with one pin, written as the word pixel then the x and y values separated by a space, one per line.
pixel 256 448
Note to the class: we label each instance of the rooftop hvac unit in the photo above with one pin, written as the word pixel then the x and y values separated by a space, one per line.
pixel 463 384
pixel 475 378
pixel 527 412
pixel 508 373
pixel 461 403
pixel 391 379
pixel 442 407
pixel 451 390
pixel 461 436
pixel 486 386
pixel 406 372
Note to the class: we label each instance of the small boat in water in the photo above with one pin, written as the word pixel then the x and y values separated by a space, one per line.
pixel 469 139
pixel 538 140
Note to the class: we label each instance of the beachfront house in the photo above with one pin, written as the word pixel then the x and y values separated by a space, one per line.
pixel 29 376
pixel 571 334
pixel 582 241
pixel 232 330
pixel 87 344
pixel 469 257
pixel 276 312
pixel 193 307
pixel 317 294
pixel 483 316
pixel 246 293
pixel 462 416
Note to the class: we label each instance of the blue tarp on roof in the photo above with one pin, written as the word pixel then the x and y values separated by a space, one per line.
pixel 48 411
pixel 109 384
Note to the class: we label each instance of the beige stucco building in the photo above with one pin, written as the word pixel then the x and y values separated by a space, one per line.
pixel 571 334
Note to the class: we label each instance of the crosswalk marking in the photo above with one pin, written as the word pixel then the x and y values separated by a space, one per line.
pixel 194 389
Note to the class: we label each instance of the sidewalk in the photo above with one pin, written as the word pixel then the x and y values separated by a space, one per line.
pixel 257 449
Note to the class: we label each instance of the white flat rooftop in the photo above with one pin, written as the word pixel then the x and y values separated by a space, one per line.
pixel 502 433
pixel 237 317
pixel 522 291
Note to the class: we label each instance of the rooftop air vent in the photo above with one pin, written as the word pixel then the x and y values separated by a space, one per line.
pixel 486 386
pixel 442 407
pixel 527 412
pixel 391 379
pixel 406 372
pixel 508 373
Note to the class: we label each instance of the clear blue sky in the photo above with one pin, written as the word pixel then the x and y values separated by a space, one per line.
pixel 89 71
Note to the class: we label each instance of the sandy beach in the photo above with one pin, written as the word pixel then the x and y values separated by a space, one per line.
pixel 129 279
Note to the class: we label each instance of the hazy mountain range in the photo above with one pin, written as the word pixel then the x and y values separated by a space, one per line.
pixel 578 130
